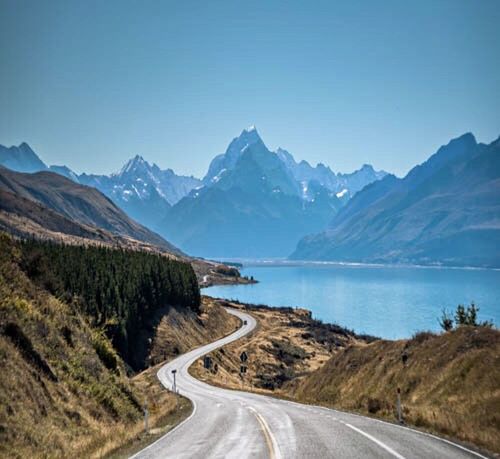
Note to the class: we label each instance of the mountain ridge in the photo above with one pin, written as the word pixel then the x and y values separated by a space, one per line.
pixel 147 193
pixel 444 211
pixel 81 208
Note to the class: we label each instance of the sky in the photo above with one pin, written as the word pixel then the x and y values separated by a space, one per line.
pixel 91 84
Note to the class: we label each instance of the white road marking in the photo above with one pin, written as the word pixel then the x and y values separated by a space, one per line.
pixel 375 440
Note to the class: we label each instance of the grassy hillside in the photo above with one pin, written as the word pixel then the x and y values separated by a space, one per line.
pixel 450 383
pixel 287 345
pixel 64 390
pixel 120 291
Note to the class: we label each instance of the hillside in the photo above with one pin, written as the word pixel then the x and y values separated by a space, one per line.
pixel 449 385
pixel 287 345
pixel 78 203
pixel 445 211
pixel 64 389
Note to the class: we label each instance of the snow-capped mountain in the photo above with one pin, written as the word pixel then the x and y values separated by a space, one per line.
pixel 225 162
pixel 343 185
pixel 142 190
pixel 252 201
pixel 255 203
pixel 139 179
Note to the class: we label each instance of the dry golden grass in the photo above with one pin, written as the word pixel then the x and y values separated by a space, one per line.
pixel 285 346
pixel 165 411
pixel 450 384
pixel 180 331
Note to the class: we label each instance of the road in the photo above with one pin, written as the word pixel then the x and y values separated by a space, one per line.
pixel 235 424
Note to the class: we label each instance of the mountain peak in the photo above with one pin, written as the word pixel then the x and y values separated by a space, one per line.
pixel 248 136
pixel 137 162
pixel 21 158
pixel 24 146
pixel 138 159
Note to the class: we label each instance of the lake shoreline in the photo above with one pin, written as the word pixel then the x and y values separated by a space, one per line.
pixel 284 262
pixel 377 300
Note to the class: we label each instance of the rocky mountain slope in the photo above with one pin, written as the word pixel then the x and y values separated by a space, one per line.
pixel 445 211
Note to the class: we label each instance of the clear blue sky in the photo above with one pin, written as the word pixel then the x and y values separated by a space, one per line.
pixel 89 84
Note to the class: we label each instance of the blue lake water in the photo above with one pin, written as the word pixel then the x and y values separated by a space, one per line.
pixel 390 302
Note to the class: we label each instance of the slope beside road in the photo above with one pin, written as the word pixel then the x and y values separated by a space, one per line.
pixel 227 423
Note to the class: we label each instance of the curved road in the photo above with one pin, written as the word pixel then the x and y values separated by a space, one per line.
pixel 233 424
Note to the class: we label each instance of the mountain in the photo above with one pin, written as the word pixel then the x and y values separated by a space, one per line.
pixel 251 206
pixel 65 171
pixel 21 159
pixel 227 161
pixel 344 185
pixel 143 191
pixel 445 211
pixel 48 201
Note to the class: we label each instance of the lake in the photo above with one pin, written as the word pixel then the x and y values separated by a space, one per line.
pixel 390 302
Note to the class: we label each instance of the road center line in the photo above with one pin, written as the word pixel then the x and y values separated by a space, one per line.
pixel 375 440
pixel 272 445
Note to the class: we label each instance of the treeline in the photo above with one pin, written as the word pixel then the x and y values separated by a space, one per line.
pixel 119 290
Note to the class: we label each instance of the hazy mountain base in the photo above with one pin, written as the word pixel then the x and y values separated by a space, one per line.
pixel 57 396
pixel 449 385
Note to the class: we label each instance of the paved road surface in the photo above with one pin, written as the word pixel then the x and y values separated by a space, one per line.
pixel 233 424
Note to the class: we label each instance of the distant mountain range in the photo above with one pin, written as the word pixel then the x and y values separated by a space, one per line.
pixel 445 211
pixel 143 191
pixel 252 202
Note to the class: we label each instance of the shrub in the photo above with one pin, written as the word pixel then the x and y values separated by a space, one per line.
pixel 464 316
pixel 104 351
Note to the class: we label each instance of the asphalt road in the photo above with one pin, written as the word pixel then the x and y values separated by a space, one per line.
pixel 234 424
